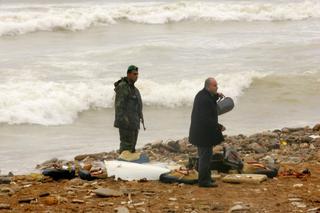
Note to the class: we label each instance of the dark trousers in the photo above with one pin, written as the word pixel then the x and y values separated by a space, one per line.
pixel 128 140
pixel 205 154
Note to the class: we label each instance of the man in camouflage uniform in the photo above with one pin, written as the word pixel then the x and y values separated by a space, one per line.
pixel 128 110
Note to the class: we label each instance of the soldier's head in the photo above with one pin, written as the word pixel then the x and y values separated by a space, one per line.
pixel 211 85
pixel 132 73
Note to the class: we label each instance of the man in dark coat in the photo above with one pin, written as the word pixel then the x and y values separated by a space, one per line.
pixel 205 131
pixel 128 110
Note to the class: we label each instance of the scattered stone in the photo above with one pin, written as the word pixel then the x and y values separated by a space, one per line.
pixel 103 204
pixel 257 148
pixel 122 209
pixel 239 208
pixel 304 146
pixel 312 147
pixel 298 185
pixel 5 206
pixel 172 199
pixel 106 192
pixel 293 160
pixel 77 201
pixel 314 210
pixel 295 199
pixel 97 156
pixel 7 190
pixel 299 204
pixel 27 200
pixel 52 200
pixel 44 194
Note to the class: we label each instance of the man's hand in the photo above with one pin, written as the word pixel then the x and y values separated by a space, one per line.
pixel 221 95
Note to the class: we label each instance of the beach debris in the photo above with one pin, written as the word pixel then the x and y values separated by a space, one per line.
pixel 292 173
pixel 244 178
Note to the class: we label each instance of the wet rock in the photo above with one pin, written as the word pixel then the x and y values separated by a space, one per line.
pixel 106 192
pixel 5 206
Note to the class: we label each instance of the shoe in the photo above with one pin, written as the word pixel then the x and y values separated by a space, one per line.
pixel 208 185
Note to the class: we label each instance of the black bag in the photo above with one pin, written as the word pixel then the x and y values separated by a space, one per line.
pixel 58 174
pixel 222 162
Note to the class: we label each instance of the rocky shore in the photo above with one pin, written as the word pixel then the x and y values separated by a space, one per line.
pixel 296 149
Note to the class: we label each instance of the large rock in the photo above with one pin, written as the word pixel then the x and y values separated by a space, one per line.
pixel 257 148
pixel 5 180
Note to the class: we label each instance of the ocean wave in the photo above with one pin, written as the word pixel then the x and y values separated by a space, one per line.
pixel 58 103
pixel 26 19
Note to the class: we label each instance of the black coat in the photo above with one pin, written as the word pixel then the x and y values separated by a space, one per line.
pixel 205 130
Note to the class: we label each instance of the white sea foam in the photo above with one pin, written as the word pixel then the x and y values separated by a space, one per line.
pixel 56 103
pixel 25 19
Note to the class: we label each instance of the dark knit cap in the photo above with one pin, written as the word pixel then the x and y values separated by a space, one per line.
pixel 132 68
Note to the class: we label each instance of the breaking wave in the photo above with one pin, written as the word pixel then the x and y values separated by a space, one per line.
pixel 21 19
pixel 58 103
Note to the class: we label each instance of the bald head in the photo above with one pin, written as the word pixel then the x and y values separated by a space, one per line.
pixel 211 85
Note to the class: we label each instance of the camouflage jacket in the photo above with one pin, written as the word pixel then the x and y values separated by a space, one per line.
pixel 128 105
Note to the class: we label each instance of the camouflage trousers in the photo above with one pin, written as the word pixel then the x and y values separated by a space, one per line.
pixel 128 139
